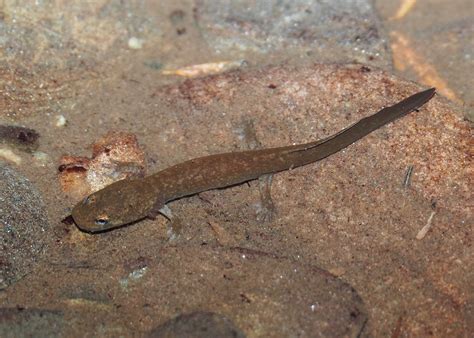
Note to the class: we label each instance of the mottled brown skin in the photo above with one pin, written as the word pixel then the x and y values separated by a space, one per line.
pixel 127 201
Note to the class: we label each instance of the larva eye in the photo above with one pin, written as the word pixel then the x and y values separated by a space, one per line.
pixel 102 221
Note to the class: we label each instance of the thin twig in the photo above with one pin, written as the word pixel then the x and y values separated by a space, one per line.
pixel 421 234
pixel 407 180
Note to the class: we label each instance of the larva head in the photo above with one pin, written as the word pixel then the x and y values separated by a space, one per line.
pixel 118 204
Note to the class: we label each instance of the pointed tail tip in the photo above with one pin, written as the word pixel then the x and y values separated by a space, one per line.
pixel 427 94
pixel 431 91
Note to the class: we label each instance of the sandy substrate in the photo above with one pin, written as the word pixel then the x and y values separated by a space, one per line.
pixel 353 248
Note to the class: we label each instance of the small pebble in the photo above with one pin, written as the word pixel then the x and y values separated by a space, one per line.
pixel 41 158
pixel 60 121
pixel 135 43
pixel 10 156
